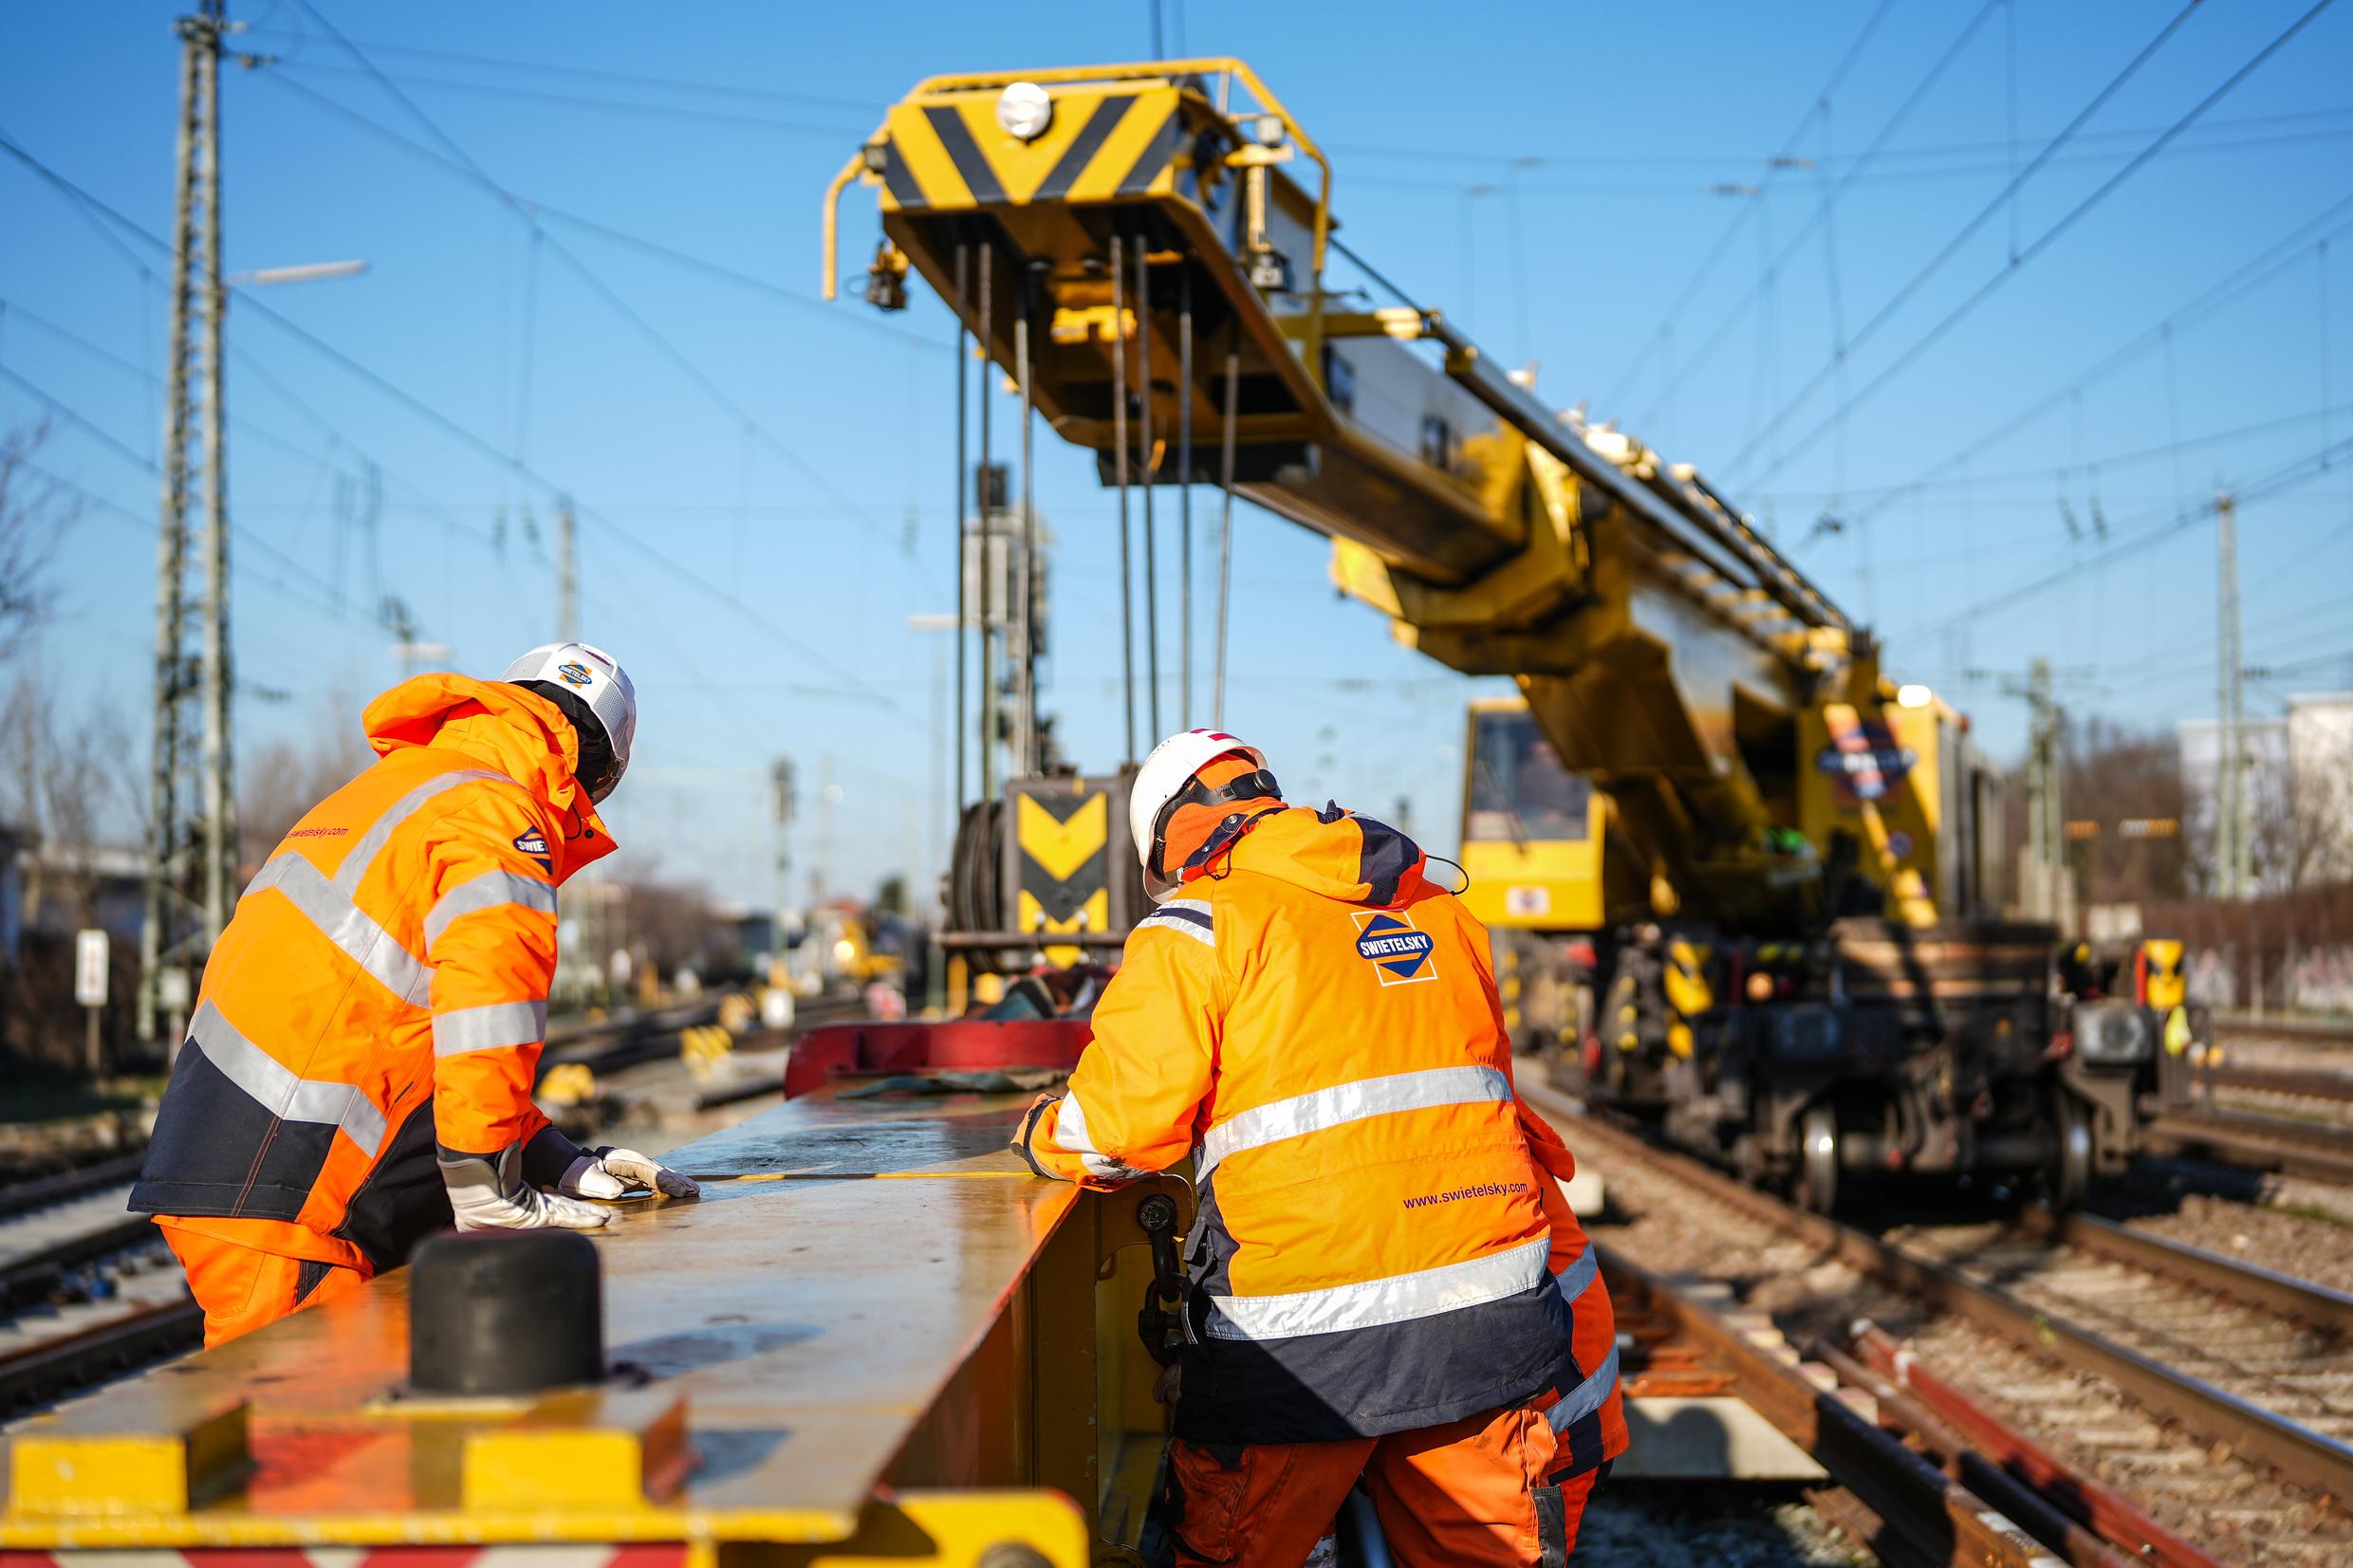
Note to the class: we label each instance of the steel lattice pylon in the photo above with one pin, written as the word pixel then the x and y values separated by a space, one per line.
pixel 192 806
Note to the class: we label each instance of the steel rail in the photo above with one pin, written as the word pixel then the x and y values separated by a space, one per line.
pixel 23 1196
pixel 2273 1143
pixel 2298 1083
pixel 2300 1454
pixel 2317 1029
pixel 1944 1446
pixel 1891 1488
pixel 2317 1305
pixel 37 1371
pixel 2101 1510
pixel 34 1275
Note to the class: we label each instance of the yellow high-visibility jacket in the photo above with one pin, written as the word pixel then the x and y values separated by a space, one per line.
pixel 1380 1244
pixel 382 986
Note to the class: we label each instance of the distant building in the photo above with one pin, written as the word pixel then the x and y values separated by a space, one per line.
pixel 2299 789
pixel 53 893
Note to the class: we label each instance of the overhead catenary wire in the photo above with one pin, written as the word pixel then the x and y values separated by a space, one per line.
pixel 2334 220
pixel 2166 449
pixel 699 86
pixel 2123 136
pixel 541 95
pixel 861 109
pixel 2001 201
pixel 1773 166
pixel 2040 244
pixel 145 524
pixel 438 510
pixel 1870 153
pixel 465 435
pixel 620 304
pixel 554 213
pixel 2278 481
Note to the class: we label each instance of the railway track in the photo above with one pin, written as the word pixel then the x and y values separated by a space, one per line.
pixel 2319 1031
pixel 2314 1150
pixel 2123 1375
pixel 2298 1121
pixel 86 1288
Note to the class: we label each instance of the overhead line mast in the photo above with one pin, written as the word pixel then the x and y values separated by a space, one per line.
pixel 193 813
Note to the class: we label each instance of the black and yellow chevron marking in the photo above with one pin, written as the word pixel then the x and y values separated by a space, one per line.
pixel 1065 843
pixel 951 153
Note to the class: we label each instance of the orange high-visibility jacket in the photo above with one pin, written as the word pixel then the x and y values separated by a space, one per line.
pixel 1380 1244
pixel 382 986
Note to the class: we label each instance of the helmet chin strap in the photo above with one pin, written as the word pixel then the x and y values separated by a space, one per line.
pixel 1222 838
pixel 1256 785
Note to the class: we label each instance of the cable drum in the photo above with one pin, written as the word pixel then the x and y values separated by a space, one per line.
pixel 975 877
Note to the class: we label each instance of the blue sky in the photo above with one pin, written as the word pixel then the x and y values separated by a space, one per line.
pixel 764 481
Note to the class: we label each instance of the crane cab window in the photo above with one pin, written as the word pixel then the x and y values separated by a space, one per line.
pixel 1439 444
pixel 1519 790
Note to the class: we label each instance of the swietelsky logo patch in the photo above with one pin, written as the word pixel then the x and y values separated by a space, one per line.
pixel 534 843
pixel 1397 949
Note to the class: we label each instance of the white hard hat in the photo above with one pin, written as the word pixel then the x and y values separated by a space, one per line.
pixel 1163 779
pixel 592 689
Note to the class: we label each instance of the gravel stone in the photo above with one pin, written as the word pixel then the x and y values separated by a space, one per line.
pixel 2207 1493
pixel 1659 1524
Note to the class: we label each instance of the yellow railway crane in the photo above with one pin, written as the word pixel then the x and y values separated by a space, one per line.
pixel 1820 990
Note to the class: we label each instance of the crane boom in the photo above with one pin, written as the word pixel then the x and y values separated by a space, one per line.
pixel 1666 648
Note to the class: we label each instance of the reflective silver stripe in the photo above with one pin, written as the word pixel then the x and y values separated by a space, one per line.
pixel 347 926
pixel 1574 1280
pixel 488 891
pixel 1398 1298
pixel 1188 917
pixel 277 1088
pixel 1585 1397
pixel 1070 1134
pixel 1346 1102
pixel 488 1028
pixel 372 843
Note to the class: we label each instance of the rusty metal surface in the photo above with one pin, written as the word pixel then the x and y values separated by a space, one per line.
pixel 1938 1520
pixel 2102 1510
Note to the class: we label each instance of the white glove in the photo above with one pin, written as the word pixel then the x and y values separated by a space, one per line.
pixel 608 1172
pixel 488 1192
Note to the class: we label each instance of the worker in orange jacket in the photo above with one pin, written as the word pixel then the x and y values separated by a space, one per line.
pixel 358 1070
pixel 1385 1281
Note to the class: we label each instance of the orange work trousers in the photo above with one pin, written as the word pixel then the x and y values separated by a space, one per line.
pixel 243 1289
pixel 1476 1491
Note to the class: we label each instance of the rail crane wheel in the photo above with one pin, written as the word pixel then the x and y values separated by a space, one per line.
pixel 2067 1179
pixel 1818 1159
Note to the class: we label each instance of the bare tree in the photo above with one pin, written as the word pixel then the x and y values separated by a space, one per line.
pixel 69 797
pixel 35 512
pixel 2114 775
pixel 2299 838
pixel 72 809
pixel 285 777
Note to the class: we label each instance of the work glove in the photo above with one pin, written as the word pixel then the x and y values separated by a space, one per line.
pixel 608 1172
pixel 489 1192
pixel 1020 1142
pixel 551 1159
